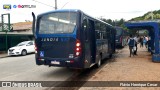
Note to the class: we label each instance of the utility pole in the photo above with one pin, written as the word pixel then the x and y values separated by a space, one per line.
pixel 55 4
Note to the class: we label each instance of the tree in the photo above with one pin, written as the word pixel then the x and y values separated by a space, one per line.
pixel 108 21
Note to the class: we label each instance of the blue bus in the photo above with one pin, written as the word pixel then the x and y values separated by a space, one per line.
pixel 121 37
pixel 71 38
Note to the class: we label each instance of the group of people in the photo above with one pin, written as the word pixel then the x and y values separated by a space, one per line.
pixel 133 42
pixel 143 41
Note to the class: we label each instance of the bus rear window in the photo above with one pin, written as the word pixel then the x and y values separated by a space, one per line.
pixel 64 22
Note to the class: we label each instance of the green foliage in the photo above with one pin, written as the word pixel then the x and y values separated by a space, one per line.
pixel 148 16
pixel 114 22
pixel 119 23
pixel 146 32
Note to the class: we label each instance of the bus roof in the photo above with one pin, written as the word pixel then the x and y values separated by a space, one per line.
pixel 60 10
pixel 73 10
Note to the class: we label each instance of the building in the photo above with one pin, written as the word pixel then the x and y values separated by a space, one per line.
pixel 19 32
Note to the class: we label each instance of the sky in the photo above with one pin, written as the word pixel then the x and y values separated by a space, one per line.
pixel 108 9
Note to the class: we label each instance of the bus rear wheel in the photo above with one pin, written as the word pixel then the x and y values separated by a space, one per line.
pixel 99 63
pixel 110 56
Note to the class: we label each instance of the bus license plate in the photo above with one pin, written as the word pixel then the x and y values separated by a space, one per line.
pixel 55 62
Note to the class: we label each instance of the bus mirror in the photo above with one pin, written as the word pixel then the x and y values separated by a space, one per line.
pixel 33 23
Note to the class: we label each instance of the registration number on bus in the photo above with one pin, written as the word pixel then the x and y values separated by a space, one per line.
pixel 55 62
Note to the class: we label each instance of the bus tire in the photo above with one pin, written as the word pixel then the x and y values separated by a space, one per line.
pixel 110 56
pixel 99 62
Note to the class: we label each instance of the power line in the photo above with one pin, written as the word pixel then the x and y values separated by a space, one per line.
pixel 44 4
pixel 50 5
pixel 64 5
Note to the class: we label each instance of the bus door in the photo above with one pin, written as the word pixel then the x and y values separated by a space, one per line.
pixel 92 39
pixel 88 27
pixel 109 37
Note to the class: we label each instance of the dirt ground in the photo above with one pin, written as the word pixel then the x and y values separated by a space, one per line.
pixel 125 68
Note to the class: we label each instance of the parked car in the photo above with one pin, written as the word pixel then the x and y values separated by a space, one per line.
pixel 22 48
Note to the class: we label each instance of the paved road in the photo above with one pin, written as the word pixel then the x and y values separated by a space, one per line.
pixel 23 68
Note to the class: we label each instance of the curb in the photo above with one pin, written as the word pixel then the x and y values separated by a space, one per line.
pixel 3 55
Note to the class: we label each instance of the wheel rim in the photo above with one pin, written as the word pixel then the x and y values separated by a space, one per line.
pixel 99 63
pixel 23 52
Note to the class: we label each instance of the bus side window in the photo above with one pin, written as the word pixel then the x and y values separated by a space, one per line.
pixel 97 30
pixel 97 33
pixel 104 34
pixel 85 28
pixel 107 32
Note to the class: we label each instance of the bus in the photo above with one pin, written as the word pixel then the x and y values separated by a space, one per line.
pixel 71 38
pixel 121 37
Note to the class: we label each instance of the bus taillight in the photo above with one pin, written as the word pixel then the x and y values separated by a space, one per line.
pixel 78 48
pixel 35 48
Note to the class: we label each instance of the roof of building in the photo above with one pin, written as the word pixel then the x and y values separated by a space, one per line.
pixel 22 26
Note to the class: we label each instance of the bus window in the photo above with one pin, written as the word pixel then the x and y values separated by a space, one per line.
pixel 97 33
pixel 97 26
pixel 103 27
pixel 97 30
pixel 57 23
pixel 103 30
pixel 104 36
pixel 108 29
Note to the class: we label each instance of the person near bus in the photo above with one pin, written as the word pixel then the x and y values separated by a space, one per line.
pixel 136 42
pixel 146 44
pixel 144 40
pixel 141 41
pixel 131 44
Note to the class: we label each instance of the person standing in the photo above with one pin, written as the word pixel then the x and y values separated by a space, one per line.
pixel 146 44
pixel 141 41
pixel 136 42
pixel 131 44
pixel 144 40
